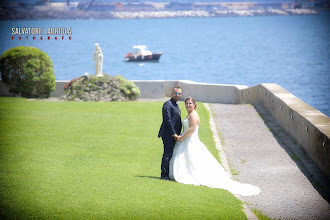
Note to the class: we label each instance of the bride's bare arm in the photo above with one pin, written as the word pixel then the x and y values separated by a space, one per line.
pixel 193 121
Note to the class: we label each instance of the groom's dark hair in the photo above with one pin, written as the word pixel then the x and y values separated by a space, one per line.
pixel 176 87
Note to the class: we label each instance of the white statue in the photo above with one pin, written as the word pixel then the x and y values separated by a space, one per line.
pixel 98 59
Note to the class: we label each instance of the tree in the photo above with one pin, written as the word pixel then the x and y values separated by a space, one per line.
pixel 27 71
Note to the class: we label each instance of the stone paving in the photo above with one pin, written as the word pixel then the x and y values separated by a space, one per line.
pixel 292 186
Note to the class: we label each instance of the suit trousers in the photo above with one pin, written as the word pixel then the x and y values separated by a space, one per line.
pixel 168 143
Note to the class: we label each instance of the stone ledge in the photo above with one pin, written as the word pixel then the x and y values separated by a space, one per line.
pixel 308 126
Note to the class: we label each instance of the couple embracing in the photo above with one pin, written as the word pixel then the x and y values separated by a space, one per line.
pixel 186 159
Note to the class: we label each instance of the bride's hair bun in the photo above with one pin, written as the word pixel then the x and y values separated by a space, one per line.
pixel 193 101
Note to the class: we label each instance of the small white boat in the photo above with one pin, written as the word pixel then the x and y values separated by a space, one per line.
pixel 142 54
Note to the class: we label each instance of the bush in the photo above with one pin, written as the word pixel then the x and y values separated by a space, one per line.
pixel 105 88
pixel 27 71
pixel 130 90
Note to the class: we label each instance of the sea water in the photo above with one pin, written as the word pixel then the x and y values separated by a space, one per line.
pixel 292 51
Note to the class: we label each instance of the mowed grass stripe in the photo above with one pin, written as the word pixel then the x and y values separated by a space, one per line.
pixel 74 160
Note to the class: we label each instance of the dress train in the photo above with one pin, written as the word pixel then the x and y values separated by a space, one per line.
pixel 192 163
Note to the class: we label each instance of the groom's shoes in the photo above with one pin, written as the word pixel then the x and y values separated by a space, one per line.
pixel 165 178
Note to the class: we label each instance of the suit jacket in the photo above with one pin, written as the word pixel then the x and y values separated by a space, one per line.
pixel 171 119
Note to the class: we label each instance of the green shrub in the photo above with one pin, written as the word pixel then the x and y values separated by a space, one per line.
pixel 27 71
pixel 128 88
pixel 105 88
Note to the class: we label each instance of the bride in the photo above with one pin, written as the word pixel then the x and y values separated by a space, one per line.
pixel 192 163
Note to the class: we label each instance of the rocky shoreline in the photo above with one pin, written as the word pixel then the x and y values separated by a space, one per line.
pixel 80 14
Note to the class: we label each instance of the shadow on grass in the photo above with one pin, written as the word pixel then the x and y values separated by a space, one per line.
pixel 315 176
pixel 153 177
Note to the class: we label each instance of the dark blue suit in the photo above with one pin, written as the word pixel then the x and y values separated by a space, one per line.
pixel 171 125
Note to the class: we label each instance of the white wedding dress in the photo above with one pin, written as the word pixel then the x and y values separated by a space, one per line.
pixel 192 163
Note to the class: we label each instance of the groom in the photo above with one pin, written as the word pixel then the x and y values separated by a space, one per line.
pixel 170 129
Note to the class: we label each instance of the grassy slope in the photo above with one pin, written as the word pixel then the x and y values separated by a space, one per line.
pixel 96 160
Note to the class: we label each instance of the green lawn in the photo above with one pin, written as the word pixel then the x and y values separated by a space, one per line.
pixel 84 160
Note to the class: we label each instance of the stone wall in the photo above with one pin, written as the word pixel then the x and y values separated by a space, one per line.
pixel 59 89
pixel 228 94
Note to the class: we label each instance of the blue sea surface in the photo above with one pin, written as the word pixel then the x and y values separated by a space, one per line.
pixel 292 51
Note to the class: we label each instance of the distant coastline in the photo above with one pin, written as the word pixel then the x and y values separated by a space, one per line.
pixel 6 14
pixel 102 9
